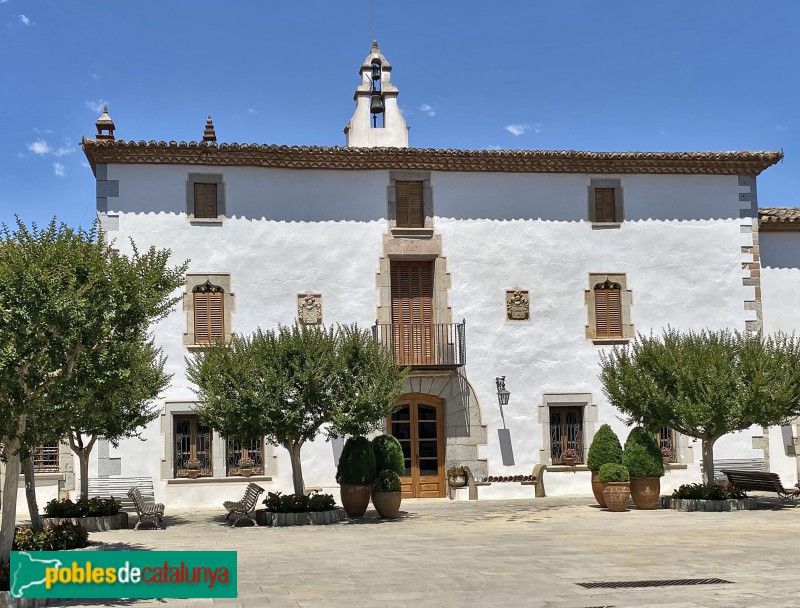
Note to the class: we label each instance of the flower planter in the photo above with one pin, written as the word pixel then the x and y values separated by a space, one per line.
pixel 570 462
pixel 597 489
pixel 617 495
pixel 645 491
pixel 93 524
pixel 193 474
pixel 458 481
pixel 313 518
pixel 355 498
pixel 246 472
pixel 696 504
pixel 666 460
pixel 387 504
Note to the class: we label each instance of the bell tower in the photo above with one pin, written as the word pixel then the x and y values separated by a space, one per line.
pixel 377 121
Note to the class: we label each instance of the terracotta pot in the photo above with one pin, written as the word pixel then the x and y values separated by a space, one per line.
pixel 617 494
pixel 355 498
pixel 387 504
pixel 193 473
pixel 458 481
pixel 570 462
pixel 645 491
pixel 597 489
pixel 246 472
pixel 666 460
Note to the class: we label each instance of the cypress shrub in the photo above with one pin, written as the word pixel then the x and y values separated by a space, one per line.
pixel 388 481
pixel 357 462
pixel 388 454
pixel 642 455
pixel 611 473
pixel 605 449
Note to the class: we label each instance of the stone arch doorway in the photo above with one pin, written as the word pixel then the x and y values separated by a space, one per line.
pixel 417 422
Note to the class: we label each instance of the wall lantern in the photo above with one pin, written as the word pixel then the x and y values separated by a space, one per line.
pixel 502 393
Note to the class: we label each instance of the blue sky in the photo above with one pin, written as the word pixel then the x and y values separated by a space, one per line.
pixel 585 75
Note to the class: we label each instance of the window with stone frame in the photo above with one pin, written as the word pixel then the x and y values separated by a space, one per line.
pixel 668 438
pixel 236 450
pixel 45 458
pixel 205 197
pixel 566 432
pixel 192 441
pixel 605 205
pixel 608 310
pixel 205 201
pixel 209 313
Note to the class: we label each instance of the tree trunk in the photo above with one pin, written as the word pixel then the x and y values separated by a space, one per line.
pixel 297 467
pixel 30 493
pixel 708 461
pixel 76 443
pixel 9 523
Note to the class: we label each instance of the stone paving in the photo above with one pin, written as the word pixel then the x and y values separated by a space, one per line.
pixel 494 553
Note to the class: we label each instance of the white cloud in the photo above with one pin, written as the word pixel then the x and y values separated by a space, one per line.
pixel 40 147
pixel 494 147
pixel 520 129
pixel 58 169
pixel 251 111
pixel 96 106
pixel 96 76
pixel 3 1
pixel 427 109
pixel 780 128
pixel 63 151
pixel 42 131
pixel 25 20
pixel 85 164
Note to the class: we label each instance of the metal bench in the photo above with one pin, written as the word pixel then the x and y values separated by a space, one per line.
pixel 147 512
pixel 117 488
pixel 760 481
pixel 244 507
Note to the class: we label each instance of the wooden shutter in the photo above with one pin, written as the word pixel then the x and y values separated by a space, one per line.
pixel 608 311
pixel 410 213
pixel 205 200
pixel 412 311
pixel 209 317
pixel 604 205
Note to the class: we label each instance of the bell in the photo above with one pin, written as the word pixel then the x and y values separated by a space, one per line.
pixel 376 71
pixel 376 104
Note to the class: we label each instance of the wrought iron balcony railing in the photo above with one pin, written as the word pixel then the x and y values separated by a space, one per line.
pixel 424 344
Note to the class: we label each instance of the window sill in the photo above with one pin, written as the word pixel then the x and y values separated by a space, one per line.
pixel 675 465
pixel 562 468
pixel 206 221
pixel 605 225
pixel 52 476
pixel 412 233
pixel 235 479
pixel 606 341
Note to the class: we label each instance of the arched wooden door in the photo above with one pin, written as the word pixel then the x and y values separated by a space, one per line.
pixel 418 424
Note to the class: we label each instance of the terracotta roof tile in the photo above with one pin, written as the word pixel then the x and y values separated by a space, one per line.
pixel 772 219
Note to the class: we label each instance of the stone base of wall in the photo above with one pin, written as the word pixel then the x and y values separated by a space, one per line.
pixel 93 524
pixel 317 518
pixel 693 504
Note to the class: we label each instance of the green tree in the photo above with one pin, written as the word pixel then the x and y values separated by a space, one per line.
pixel 287 384
pixel 64 294
pixel 705 384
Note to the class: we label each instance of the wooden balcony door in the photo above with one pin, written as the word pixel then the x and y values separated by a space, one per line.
pixel 418 424
pixel 412 312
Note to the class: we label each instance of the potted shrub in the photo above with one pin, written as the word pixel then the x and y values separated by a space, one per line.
pixel 355 475
pixel 193 467
pixel 388 454
pixel 666 455
pixel 387 494
pixel 616 490
pixel 605 449
pixel 246 466
pixel 570 457
pixel 645 464
pixel 457 476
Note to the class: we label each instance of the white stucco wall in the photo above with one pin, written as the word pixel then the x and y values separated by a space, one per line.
pixel 292 230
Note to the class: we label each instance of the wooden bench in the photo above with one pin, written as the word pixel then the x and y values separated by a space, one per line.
pixel 244 507
pixel 150 512
pixel 737 464
pixel 117 488
pixel 760 481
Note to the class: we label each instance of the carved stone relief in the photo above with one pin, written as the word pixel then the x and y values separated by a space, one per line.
pixel 309 308
pixel 517 305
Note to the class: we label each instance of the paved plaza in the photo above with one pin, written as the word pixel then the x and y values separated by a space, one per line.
pixel 495 553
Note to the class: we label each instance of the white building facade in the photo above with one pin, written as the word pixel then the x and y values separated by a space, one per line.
pixel 472 265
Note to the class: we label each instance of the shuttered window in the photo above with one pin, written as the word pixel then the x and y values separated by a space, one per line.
pixel 209 323
pixel 412 311
pixel 604 205
pixel 410 213
pixel 205 200
pixel 608 310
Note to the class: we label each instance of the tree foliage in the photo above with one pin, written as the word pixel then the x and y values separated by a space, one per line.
pixel 65 297
pixel 292 383
pixel 705 384
pixel 642 456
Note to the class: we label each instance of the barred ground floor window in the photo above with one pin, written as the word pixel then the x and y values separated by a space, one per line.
pixel 566 432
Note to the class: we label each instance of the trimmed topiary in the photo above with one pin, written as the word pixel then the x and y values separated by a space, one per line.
pixel 388 481
pixel 605 449
pixel 357 462
pixel 388 454
pixel 614 473
pixel 642 455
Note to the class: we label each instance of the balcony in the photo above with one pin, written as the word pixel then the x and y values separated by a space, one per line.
pixel 424 344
